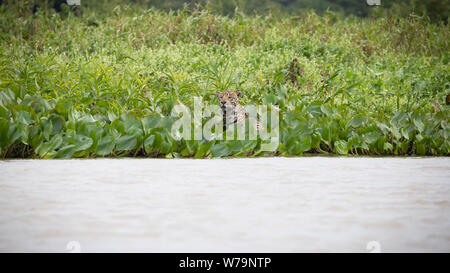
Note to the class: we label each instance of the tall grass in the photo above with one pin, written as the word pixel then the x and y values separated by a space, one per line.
pixel 95 85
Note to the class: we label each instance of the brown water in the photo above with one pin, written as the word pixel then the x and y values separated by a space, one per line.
pixel 226 205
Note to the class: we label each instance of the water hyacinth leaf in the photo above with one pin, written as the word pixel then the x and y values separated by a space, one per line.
pixel 86 118
pixel 364 146
pixel 220 150
pixel 383 127
pixel 387 146
pixel 25 133
pixel 126 143
pixel 419 125
pixel 380 144
pixel 148 143
pixel 4 113
pixel 326 134
pixel 42 149
pixel 371 137
pixel 82 142
pixel 185 152
pixel 57 123
pixel 399 117
pixel 192 146
pixel 132 125
pixel 66 151
pixel 136 131
pixel 50 146
pixel 299 144
pixel 119 126
pixel 63 107
pixel 420 149
pixel 111 116
pixel 396 132
pixel 158 140
pixel 292 147
pixel 149 140
pixel 315 108
pixel 419 137
pixel 48 129
pixel 150 122
pixel 4 128
pixel 326 110
pixel 355 122
pixel 270 99
pixel 105 145
pixel 203 150
pixel 404 133
pixel 24 117
pixel 235 146
pixel 341 147
pixel 165 148
pixel 95 133
pixel 304 143
pixel 14 133
pixel 166 123
pixel 445 133
pixel 249 145
pixel 315 140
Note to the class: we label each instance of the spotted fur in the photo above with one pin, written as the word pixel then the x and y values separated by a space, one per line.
pixel 232 110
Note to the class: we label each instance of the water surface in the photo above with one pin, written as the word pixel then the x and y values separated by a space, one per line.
pixel 226 205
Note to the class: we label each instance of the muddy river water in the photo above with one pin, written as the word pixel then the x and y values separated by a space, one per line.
pixel 318 204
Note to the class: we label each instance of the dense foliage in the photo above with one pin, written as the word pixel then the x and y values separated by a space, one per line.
pixel 436 10
pixel 91 85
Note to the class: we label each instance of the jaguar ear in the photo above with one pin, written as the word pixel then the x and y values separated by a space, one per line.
pixel 217 94
pixel 239 93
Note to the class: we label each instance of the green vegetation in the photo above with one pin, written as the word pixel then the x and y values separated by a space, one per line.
pixel 436 10
pixel 97 85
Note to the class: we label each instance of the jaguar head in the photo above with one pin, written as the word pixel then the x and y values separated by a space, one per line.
pixel 228 98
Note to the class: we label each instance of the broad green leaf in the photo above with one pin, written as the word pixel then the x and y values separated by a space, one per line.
pixel 396 133
pixel 371 137
pixel 326 110
pixel 387 146
pixel 148 143
pixel 220 150
pixel 341 147
pixel 105 146
pixel 66 151
pixel 192 146
pixel 126 143
pixel 355 122
pixel 24 117
pixel 304 143
pixel 48 129
pixel 421 149
pixel 404 133
pixel 235 145
pixel 419 125
pixel 50 146
pixel 82 143
pixel 14 133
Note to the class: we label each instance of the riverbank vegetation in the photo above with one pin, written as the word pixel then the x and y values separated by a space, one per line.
pixel 89 84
